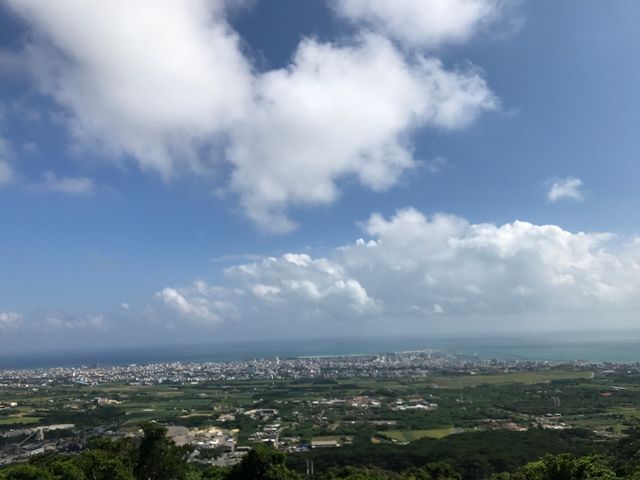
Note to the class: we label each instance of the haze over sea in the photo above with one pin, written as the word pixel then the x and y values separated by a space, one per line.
pixel 621 347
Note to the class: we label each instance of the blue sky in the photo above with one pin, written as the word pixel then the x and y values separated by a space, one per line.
pixel 147 149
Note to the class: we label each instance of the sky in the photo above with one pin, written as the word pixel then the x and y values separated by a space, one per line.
pixel 181 171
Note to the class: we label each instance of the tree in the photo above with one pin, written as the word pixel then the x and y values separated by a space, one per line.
pixel 433 471
pixel 159 458
pixel 25 472
pixel 263 463
pixel 123 449
pixel 66 470
pixel 566 467
pixel 215 473
pixel 99 465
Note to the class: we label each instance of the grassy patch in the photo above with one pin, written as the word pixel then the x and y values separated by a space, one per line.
pixel 18 420
pixel 505 378
pixel 412 435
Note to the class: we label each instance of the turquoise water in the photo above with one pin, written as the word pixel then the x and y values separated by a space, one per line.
pixel 623 348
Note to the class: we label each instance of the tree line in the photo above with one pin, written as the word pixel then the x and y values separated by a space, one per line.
pixel 156 457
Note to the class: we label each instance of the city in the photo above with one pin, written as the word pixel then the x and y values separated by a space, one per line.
pixel 222 409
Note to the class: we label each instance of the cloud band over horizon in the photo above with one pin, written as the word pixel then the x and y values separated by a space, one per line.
pixel 413 266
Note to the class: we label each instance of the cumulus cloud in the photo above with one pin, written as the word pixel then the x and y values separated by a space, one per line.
pixel 198 303
pixel 317 283
pixel 412 266
pixel 294 285
pixel 167 85
pixel 10 320
pixel 147 79
pixel 53 183
pixel 338 111
pixel 422 23
pixel 483 268
pixel 565 189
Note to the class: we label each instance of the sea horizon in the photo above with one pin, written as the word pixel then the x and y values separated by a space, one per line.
pixel 596 347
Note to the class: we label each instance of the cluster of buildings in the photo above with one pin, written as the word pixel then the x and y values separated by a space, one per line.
pixel 209 438
pixel 417 403
pixel 209 444
pixel 403 364
pixel 19 445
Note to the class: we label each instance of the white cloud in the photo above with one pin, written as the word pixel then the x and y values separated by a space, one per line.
pixel 319 284
pixel 10 320
pixel 11 63
pixel 416 267
pixel 147 79
pixel 53 183
pixel 566 189
pixel 96 322
pixel 290 286
pixel 484 268
pixel 166 84
pixel 423 23
pixel 435 165
pixel 6 171
pixel 196 303
pixel 324 119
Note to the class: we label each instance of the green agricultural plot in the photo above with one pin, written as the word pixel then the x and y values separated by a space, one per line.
pixel 18 420
pixel 505 378
pixel 413 435
pixel 598 424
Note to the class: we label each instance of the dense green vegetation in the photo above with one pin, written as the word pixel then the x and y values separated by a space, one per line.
pixel 155 457
pixel 485 397
pixel 465 403
pixel 556 424
pixel 475 455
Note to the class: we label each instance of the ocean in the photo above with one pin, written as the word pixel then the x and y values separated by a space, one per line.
pixel 558 347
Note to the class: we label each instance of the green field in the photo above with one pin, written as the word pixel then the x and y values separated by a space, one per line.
pixel 412 435
pixel 18 420
pixel 505 378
